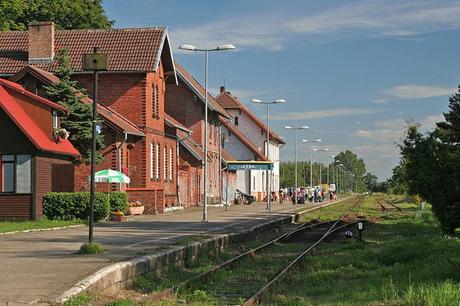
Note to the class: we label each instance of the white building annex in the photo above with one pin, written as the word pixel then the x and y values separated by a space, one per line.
pixel 246 139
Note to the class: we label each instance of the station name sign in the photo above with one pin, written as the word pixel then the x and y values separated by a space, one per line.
pixel 249 165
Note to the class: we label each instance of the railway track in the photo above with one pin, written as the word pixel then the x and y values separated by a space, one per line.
pixel 246 278
pixel 385 206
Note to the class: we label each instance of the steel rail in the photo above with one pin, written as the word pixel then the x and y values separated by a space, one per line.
pixel 166 293
pixel 257 296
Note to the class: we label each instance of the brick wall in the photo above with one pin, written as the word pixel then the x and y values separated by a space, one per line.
pixel 191 115
pixel 140 98
pixel 152 199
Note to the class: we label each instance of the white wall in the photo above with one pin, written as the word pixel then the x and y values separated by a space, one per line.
pixel 253 132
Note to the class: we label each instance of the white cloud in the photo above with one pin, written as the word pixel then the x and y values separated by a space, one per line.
pixel 327 113
pixel 410 91
pixel 380 135
pixel 372 18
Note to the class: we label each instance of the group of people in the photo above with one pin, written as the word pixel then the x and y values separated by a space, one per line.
pixel 315 194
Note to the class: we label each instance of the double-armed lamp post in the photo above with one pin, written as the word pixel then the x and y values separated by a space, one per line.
pixel 318 140
pixel 295 129
pixel 267 148
pixel 206 52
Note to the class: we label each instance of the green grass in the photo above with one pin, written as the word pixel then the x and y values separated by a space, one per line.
pixel 43 223
pixel 406 260
pixel 91 248
pixel 79 300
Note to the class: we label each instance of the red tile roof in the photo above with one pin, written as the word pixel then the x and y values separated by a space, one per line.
pixel 112 118
pixel 195 86
pixel 137 49
pixel 27 125
pixel 228 101
pixel 242 138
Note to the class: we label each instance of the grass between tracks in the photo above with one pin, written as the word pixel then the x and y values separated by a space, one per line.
pixel 406 260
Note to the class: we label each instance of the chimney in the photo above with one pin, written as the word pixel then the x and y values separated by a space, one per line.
pixel 41 42
pixel 222 89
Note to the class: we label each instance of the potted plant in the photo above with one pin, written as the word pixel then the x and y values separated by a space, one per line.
pixel 118 216
pixel 136 208
pixel 60 133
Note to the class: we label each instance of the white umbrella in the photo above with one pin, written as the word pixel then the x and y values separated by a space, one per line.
pixel 111 176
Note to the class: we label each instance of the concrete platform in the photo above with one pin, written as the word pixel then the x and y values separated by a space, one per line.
pixel 38 267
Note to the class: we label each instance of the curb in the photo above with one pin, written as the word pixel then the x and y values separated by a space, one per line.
pixel 121 275
pixel 42 229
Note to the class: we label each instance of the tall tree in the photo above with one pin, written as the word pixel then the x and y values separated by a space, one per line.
pixel 355 166
pixel 79 121
pixel 433 166
pixel 67 14
pixel 371 181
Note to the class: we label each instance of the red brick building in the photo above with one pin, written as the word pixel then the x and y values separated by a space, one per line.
pixel 140 66
pixel 190 96
pixel 34 159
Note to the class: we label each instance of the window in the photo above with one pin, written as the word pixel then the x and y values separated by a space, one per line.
pixel 171 164
pixel 155 102
pixel 236 120
pixel 152 158
pixel 157 161
pixel 15 173
pixel 165 169
pixel 55 120
pixel 253 183
pixel 8 166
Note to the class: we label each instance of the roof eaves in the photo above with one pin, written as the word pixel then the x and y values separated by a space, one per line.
pixel 199 94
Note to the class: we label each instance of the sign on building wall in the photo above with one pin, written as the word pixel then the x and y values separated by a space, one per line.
pixel 249 165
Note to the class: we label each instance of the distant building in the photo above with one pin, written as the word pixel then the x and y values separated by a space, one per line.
pixel 247 140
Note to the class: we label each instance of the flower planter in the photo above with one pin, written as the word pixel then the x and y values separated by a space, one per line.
pixel 118 218
pixel 136 210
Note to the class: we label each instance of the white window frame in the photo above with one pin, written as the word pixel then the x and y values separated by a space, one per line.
pixel 151 159
pixel 171 166
pixel 157 162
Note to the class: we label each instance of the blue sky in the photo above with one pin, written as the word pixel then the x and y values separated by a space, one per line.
pixel 354 71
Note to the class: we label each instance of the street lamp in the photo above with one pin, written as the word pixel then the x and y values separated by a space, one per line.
pixel 295 129
pixel 277 101
pixel 206 52
pixel 311 158
pixel 320 150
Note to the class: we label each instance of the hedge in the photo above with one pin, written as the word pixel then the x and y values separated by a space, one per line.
pixel 118 201
pixel 75 205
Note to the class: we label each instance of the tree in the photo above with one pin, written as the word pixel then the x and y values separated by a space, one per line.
pixel 432 166
pixel 397 184
pixel 356 168
pixel 67 14
pixel 371 181
pixel 79 121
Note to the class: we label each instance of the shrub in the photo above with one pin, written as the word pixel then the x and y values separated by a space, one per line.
pixel 74 205
pixel 91 248
pixel 118 201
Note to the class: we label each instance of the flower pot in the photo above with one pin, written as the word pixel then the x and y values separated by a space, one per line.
pixel 118 218
pixel 136 210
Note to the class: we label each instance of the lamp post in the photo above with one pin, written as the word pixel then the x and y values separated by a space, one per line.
pixel 320 161
pixel 337 174
pixel 311 158
pixel 277 101
pixel 295 129
pixel 95 62
pixel 206 52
